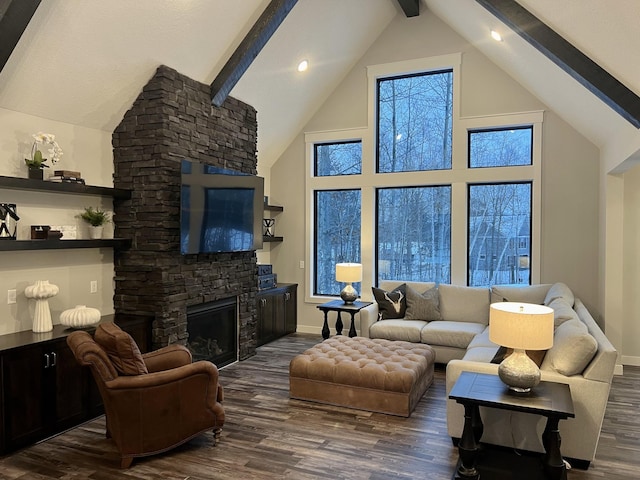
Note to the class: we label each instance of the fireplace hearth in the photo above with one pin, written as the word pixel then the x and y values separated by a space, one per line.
pixel 213 331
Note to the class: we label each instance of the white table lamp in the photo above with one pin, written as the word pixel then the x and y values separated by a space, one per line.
pixel 521 326
pixel 349 273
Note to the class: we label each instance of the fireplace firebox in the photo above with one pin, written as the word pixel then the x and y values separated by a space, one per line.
pixel 213 331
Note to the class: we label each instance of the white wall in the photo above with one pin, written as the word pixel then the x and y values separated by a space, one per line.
pixel 570 162
pixel 630 328
pixel 85 150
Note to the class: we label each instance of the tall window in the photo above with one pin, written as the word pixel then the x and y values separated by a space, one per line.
pixel 414 122
pixel 414 233
pixel 499 234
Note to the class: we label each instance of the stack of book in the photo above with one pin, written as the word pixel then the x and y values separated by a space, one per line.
pixel 66 176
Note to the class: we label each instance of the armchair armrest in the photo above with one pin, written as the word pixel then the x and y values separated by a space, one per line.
pixel 166 358
pixel 197 382
pixel 368 316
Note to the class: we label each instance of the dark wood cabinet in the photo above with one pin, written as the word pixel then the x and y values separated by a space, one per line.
pixel 277 312
pixel 43 389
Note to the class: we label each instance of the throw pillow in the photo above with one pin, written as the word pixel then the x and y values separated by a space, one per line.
pixel 391 304
pixel 520 293
pixel 422 306
pixel 559 290
pixel 573 349
pixel 121 349
pixel 562 312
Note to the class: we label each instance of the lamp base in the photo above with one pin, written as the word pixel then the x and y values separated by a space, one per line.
pixel 349 294
pixel 519 372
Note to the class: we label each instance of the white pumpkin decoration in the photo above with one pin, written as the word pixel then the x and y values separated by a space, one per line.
pixel 80 317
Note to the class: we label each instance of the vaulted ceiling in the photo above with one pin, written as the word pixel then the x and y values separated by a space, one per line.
pixel 84 62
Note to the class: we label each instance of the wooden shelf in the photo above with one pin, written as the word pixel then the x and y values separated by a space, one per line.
pixel 266 238
pixel 8 245
pixel 273 208
pixel 66 188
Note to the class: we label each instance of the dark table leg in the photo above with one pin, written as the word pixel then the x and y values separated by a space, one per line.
pixel 325 327
pixel 553 464
pixel 352 330
pixel 339 325
pixel 468 445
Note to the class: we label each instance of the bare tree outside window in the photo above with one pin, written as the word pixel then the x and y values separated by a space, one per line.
pixel 499 234
pixel 415 122
pixel 343 158
pixel 507 147
pixel 337 232
pixel 414 233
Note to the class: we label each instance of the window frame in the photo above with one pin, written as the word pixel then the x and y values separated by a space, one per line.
pixel 458 177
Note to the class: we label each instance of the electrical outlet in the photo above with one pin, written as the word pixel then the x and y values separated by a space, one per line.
pixel 301 263
pixel 93 286
pixel 11 296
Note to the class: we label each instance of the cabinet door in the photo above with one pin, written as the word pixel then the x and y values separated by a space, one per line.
pixel 27 396
pixel 280 300
pixel 265 320
pixel 291 309
pixel 71 386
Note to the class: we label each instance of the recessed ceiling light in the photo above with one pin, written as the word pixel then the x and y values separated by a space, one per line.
pixel 496 36
pixel 303 65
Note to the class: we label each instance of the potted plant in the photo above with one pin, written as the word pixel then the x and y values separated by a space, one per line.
pixel 96 219
pixel 36 163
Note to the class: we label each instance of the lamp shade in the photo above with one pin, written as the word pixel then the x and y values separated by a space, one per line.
pixel 348 272
pixel 523 326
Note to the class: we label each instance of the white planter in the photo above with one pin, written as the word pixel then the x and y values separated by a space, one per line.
pixel 95 233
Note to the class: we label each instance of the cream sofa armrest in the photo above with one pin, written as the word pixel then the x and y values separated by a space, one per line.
pixel 368 316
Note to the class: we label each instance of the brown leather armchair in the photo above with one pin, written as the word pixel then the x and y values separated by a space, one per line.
pixel 154 401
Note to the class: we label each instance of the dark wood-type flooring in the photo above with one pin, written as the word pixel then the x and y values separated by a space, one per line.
pixel 267 436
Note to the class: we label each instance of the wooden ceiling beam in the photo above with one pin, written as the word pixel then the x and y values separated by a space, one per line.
pixel 411 8
pixel 249 49
pixel 14 18
pixel 588 73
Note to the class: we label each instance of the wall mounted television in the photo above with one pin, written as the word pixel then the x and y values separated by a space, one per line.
pixel 220 210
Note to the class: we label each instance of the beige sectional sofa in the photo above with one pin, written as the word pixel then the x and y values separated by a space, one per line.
pixel 457 328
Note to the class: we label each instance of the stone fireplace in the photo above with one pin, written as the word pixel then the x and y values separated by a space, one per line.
pixel 173 119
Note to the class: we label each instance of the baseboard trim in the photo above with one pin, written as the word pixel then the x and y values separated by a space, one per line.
pixel 630 360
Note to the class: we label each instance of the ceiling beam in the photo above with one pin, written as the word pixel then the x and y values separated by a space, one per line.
pixel 593 77
pixel 249 49
pixel 14 18
pixel 411 8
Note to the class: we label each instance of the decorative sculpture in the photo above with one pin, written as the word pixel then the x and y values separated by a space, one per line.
pixel 41 291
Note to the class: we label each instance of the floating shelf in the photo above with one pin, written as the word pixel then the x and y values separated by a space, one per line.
pixel 8 245
pixel 273 208
pixel 67 188
pixel 265 238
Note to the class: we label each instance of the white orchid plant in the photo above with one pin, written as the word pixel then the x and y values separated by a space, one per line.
pixel 37 160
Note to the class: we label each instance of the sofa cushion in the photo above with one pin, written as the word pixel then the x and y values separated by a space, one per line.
pixel 573 349
pixel 121 349
pixel 422 306
pixel 559 290
pixel 397 329
pixel 482 340
pixel 562 312
pixel 480 354
pixel 391 304
pixel 520 293
pixel 450 334
pixel 464 304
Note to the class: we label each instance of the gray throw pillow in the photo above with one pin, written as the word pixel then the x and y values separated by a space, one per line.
pixel 423 306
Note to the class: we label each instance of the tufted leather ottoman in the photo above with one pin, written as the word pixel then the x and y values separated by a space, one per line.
pixel 369 374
